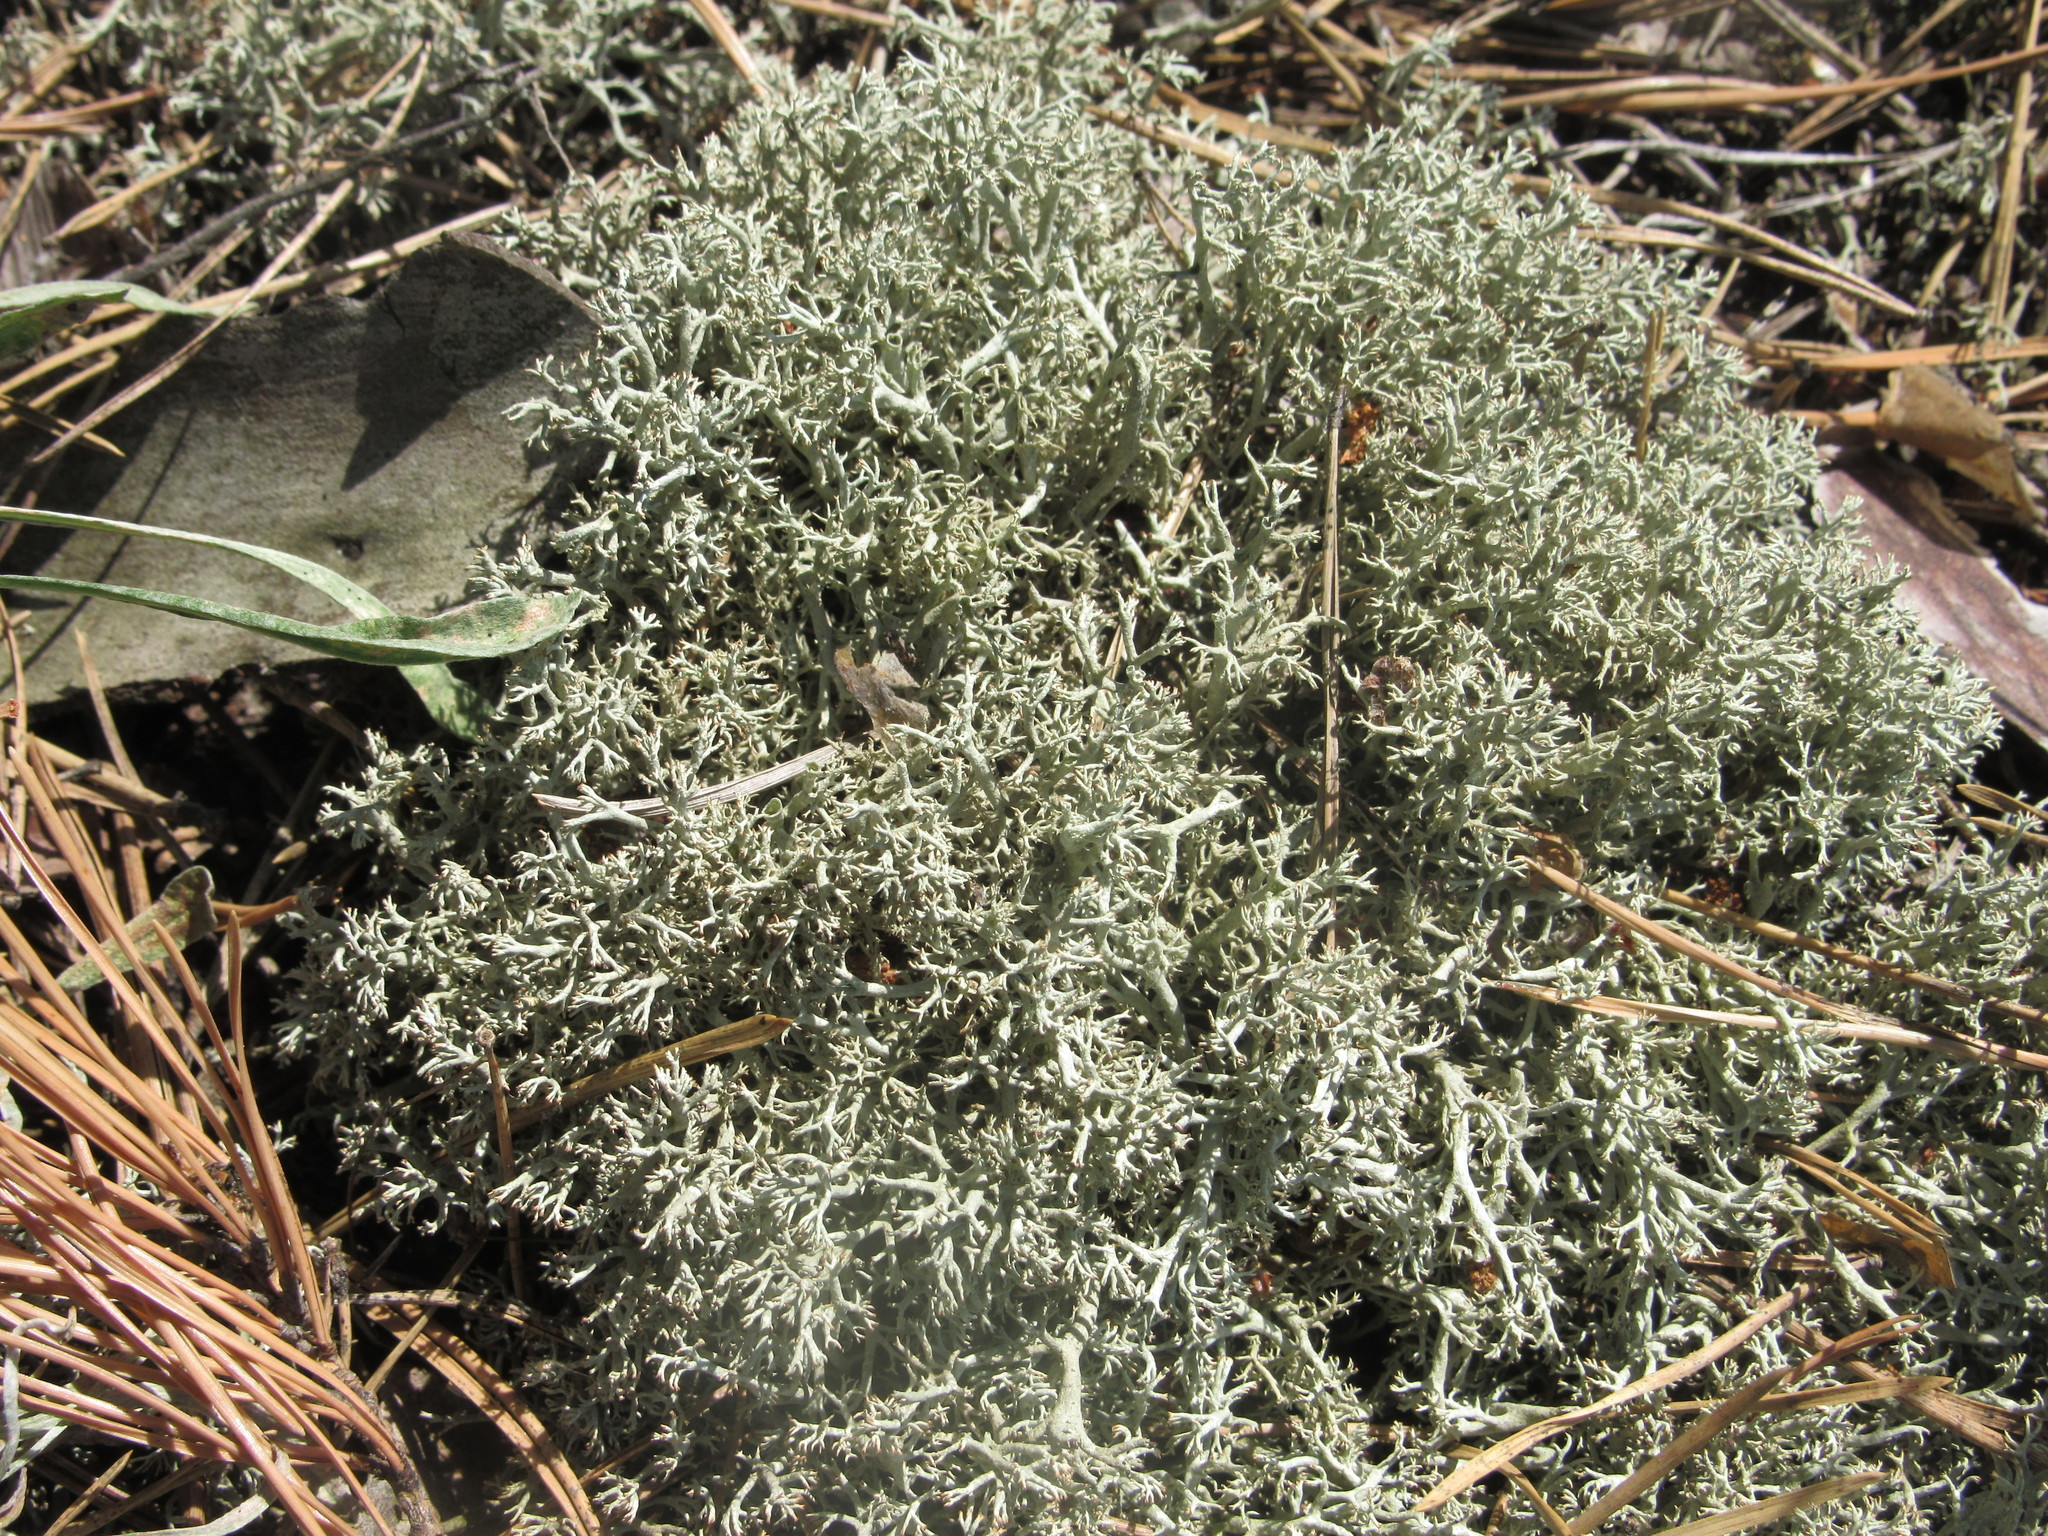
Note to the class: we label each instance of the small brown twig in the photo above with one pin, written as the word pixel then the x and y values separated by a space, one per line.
pixel 2012 183
pixel 501 1116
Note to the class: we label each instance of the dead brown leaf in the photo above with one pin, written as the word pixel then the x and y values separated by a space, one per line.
pixel 879 687
pixel 1929 411
pixel 1359 424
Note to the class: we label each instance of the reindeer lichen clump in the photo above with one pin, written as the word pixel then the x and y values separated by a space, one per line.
pixel 1135 1153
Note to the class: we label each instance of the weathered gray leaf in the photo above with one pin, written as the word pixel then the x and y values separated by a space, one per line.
pixel 1963 599
pixel 25 313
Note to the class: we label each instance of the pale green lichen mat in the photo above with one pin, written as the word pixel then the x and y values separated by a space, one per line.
pixel 1096 1179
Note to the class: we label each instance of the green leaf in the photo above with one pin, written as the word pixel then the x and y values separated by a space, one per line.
pixel 455 706
pixel 185 909
pixel 497 626
pixel 25 313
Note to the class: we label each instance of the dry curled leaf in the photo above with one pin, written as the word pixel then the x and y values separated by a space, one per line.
pixel 1390 675
pixel 878 687
pixel 1555 851
pixel 1928 411
pixel 1923 1258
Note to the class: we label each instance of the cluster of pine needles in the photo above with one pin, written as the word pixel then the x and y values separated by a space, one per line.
pixel 181 1337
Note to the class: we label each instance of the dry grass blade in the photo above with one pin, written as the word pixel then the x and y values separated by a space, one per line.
pixel 711 1043
pixel 1840 1351
pixel 1646 408
pixel 1498 1455
pixel 1865 1192
pixel 720 26
pixel 1765 1511
pixel 1796 26
pixel 1987 1426
pixel 349 1214
pixel 168 1484
pixel 1169 526
pixel 44 77
pixel 117 789
pixel 1961 354
pixel 2012 181
pixel 1201 149
pixel 641 812
pixel 423 1313
pixel 1330 789
pixel 1241 126
pixel 1951 991
pixel 93 1490
pixel 1998 828
pixel 2031 392
pixel 1823 120
pixel 1244 23
pixel 1553 1522
pixel 1798 255
pixel 470 1375
pixel 1998 800
pixel 1820 277
pixel 339 276
pixel 1791 260
pixel 1831 1397
pixel 838 12
pixel 501 1116
pixel 24 188
pixel 328 207
pixel 39 125
pixel 1695 1438
pixel 103 210
pixel 1349 84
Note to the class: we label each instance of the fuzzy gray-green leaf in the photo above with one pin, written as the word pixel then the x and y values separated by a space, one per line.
pixel 480 631
pixel 25 313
